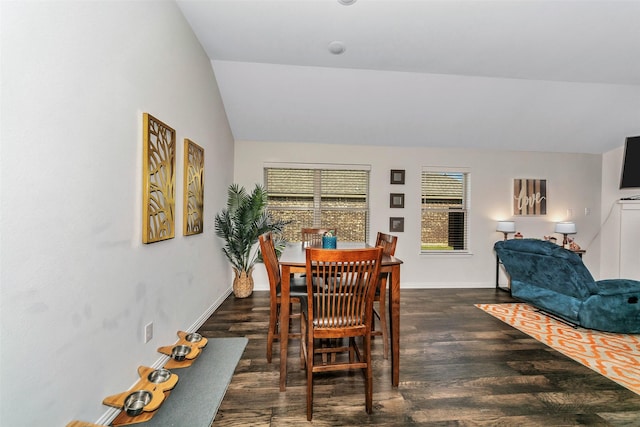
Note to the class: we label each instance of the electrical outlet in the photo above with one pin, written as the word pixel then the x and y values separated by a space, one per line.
pixel 569 213
pixel 587 211
pixel 148 332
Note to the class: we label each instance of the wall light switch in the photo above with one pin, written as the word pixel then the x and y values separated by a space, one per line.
pixel 148 332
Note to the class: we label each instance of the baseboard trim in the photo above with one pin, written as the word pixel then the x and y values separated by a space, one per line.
pixel 107 418
pixel 447 285
pixel 421 285
pixel 212 308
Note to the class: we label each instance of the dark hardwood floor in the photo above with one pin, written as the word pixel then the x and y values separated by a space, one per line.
pixel 458 367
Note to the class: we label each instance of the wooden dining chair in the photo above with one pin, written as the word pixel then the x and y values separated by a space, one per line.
pixel 338 312
pixel 298 290
pixel 388 244
pixel 312 237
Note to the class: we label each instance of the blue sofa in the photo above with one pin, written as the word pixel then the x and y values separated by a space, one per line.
pixel 555 280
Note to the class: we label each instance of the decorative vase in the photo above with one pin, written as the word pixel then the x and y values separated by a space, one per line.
pixel 243 283
pixel 329 242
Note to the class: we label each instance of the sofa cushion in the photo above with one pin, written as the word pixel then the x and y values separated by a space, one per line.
pixel 618 312
pixel 561 305
pixel 617 286
pixel 546 265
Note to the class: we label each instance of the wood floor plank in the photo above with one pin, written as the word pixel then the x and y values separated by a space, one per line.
pixel 458 366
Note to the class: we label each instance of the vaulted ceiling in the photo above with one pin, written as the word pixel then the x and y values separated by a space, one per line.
pixel 518 75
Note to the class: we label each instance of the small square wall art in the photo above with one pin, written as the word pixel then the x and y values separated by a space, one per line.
pixel 529 196
pixel 396 200
pixel 396 224
pixel 397 176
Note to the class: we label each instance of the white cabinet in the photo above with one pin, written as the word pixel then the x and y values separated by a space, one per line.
pixel 629 239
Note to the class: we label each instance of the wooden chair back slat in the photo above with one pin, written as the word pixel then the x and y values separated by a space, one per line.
pixel 350 278
pixel 387 242
pixel 270 258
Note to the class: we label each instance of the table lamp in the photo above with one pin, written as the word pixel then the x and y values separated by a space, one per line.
pixel 565 228
pixel 506 227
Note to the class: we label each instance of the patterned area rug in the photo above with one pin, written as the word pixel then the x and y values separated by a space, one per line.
pixel 616 356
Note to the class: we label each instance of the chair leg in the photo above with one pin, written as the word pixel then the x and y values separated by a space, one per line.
pixel 303 337
pixel 273 325
pixel 310 351
pixel 323 356
pixel 368 380
pixel 329 356
pixel 382 311
pixel 352 353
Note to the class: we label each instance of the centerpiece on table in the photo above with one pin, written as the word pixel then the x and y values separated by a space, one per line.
pixel 239 225
pixel 329 240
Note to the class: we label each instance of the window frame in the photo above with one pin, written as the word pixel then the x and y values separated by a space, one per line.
pixel 317 207
pixel 466 209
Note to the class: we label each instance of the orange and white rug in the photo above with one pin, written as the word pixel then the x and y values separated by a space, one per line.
pixel 616 356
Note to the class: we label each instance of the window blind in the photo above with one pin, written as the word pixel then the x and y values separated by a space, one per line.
pixel 320 197
pixel 445 209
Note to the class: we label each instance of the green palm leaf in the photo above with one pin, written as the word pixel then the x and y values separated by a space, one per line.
pixel 242 221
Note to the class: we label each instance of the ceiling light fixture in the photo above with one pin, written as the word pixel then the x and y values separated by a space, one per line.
pixel 346 2
pixel 337 48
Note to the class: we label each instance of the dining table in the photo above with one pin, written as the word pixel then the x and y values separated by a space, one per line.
pixel 293 260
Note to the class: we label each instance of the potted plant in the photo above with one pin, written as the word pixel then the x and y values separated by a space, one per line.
pixel 239 224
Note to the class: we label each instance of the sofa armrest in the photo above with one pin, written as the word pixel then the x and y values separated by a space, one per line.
pixel 617 287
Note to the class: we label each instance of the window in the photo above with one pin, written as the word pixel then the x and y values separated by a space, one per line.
pixel 320 196
pixel 445 210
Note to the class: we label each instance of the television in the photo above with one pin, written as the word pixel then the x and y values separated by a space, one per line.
pixel 631 163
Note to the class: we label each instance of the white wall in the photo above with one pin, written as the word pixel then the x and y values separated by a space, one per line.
pixel 573 182
pixel 77 284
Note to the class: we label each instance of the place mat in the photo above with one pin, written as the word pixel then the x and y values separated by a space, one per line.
pixel 616 356
pixel 197 396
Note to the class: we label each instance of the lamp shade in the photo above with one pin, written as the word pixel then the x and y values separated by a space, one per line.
pixel 566 228
pixel 506 226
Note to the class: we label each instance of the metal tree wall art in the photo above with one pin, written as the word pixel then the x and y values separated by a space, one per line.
pixel 158 176
pixel 193 188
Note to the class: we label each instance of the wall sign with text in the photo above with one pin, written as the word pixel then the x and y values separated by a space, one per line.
pixel 529 196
